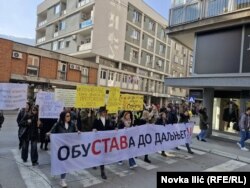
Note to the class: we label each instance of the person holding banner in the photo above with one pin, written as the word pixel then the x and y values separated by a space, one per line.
pixel 145 118
pixel 64 125
pixel 184 118
pixel 162 120
pixel 126 122
pixel 29 124
pixel 102 123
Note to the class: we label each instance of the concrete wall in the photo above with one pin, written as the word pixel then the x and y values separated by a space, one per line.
pixel 109 29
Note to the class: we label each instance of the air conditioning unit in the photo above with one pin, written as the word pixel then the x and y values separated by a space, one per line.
pixel 17 55
pixel 72 66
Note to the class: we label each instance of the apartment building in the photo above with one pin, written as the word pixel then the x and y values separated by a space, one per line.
pixel 218 31
pixel 43 69
pixel 125 37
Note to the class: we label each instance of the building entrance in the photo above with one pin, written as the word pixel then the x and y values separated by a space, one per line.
pixel 225 113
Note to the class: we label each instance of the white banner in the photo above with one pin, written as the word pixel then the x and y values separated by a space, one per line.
pixel 44 97
pixel 72 151
pixel 13 96
pixel 50 110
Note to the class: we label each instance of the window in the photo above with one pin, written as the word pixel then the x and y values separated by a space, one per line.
pixel 124 79
pixel 33 65
pixel 111 76
pixel 103 74
pixel 148 59
pixel 56 28
pixel 161 50
pixel 62 25
pixel 176 59
pixel 182 62
pixel 151 26
pixel 62 70
pixel 134 54
pixel 54 46
pixel 118 77
pixel 135 34
pixel 60 44
pixel 57 9
pixel 162 35
pixel 168 52
pixel 150 43
pixel 85 74
pixel 159 63
pixel 190 69
pixel 136 16
pixel 181 75
pixel 67 44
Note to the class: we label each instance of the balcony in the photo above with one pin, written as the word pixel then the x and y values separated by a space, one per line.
pixel 197 10
pixel 86 23
pixel 83 3
pixel 42 23
pixel 86 46
pixel 40 40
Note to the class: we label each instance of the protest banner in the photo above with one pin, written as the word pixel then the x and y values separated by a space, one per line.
pixel 44 97
pixel 67 96
pixel 71 152
pixel 50 110
pixel 113 103
pixel 13 96
pixel 131 102
pixel 90 96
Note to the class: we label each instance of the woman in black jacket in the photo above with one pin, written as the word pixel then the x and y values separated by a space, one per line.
pixel 64 125
pixel 29 124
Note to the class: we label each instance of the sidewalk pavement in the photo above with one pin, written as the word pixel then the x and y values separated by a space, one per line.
pixel 222 144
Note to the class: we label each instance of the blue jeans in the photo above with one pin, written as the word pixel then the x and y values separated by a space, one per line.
pixel 244 135
pixel 63 176
pixel 202 134
pixel 131 162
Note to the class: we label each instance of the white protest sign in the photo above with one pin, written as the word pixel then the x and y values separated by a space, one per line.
pixel 44 97
pixel 13 96
pixel 50 110
pixel 71 151
pixel 67 96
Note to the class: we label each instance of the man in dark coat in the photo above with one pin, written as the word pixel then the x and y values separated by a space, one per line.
pixel 102 123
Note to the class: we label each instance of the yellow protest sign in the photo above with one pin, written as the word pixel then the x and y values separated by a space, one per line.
pixel 131 102
pixel 90 96
pixel 113 100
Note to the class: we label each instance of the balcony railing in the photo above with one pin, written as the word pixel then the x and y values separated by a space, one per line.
pixel 42 23
pixel 196 10
pixel 40 40
pixel 84 47
pixel 84 2
pixel 86 24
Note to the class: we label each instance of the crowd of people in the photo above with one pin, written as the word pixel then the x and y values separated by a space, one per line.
pixel 33 130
